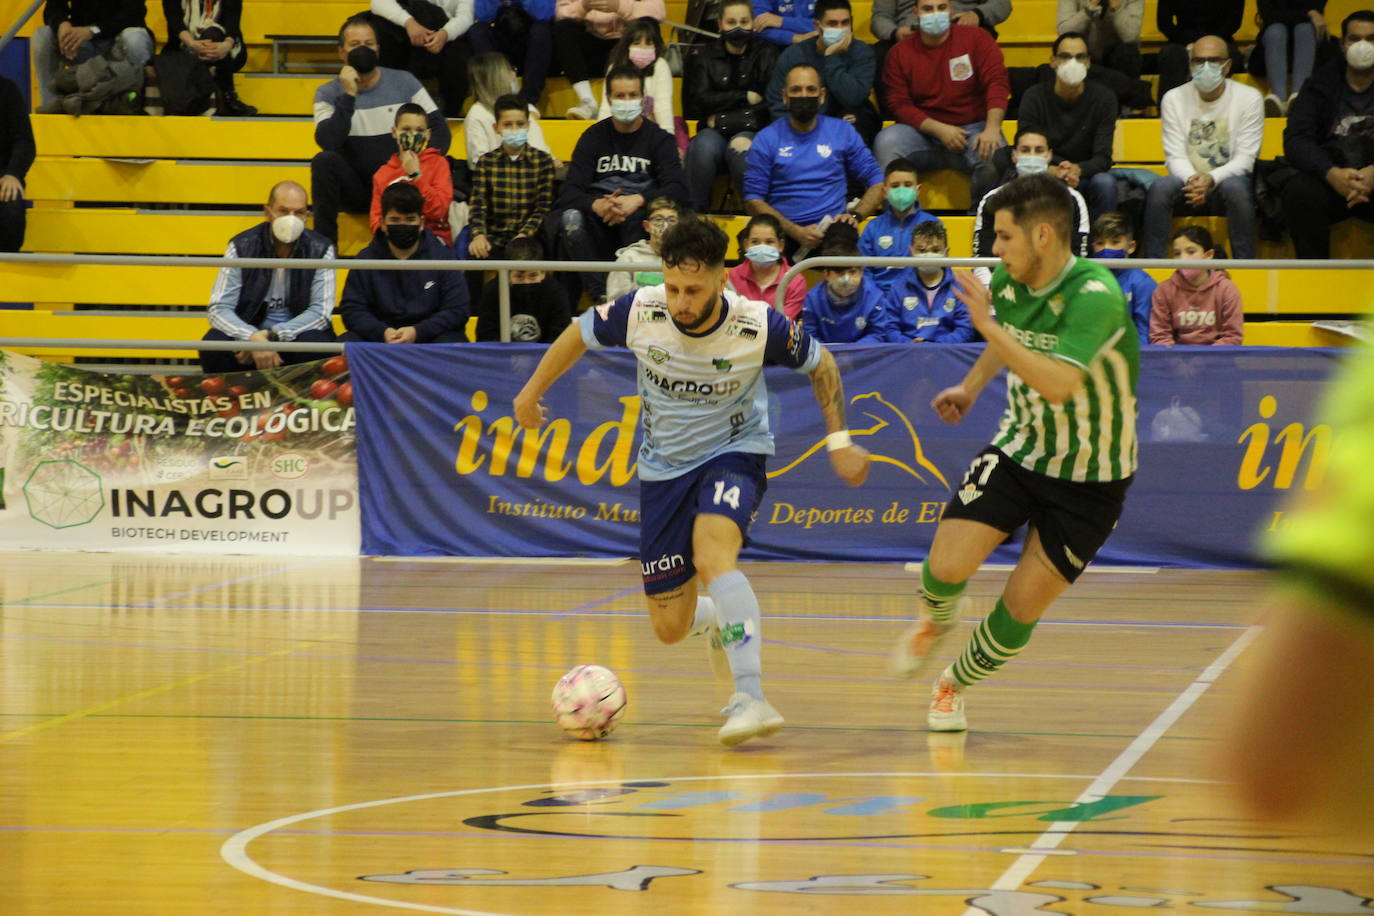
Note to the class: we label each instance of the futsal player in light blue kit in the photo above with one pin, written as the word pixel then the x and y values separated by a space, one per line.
pixel 701 350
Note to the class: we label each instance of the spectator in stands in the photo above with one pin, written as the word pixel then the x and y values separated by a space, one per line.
pixel 522 30
pixel 1078 118
pixel 800 166
pixel 758 275
pixel 1183 22
pixel 1113 30
pixel 1196 305
pixel 987 14
pixel 539 309
pixel 846 66
pixel 418 163
pixel 888 235
pixel 258 304
pixel 210 30
pixel 664 214
pixel 925 299
pixel 784 22
pixel 77 30
pixel 896 20
pixel 16 155
pixel 427 38
pixel 404 306
pixel 1031 155
pixel 947 89
pixel 352 118
pixel 1113 237
pixel 1213 128
pixel 1291 31
pixel 724 90
pixel 847 306
pixel 618 165
pixel 1327 141
pixel 584 32
pixel 641 48
pixel 512 191
pixel 492 76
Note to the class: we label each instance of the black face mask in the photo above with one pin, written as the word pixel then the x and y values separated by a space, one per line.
pixel 402 236
pixel 738 36
pixel 363 59
pixel 804 108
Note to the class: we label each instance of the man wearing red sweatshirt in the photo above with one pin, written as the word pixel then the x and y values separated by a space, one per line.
pixel 946 86
pixel 420 164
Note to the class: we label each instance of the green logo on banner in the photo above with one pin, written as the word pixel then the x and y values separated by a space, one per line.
pixel 64 494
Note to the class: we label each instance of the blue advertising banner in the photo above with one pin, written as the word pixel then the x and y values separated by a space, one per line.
pixel 444 469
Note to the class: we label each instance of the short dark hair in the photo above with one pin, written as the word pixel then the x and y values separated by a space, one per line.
pixel 624 73
pixel 825 6
pixel 526 248
pixel 759 219
pixel 1067 36
pixel 698 241
pixel 840 240
pixel 1357 16
pixel 402 197
pixel 729 3
pixel 509 102
pixel 900 165
pixel 410 108
pixel 931 230
pixel 1023 129
pixel 355 20
pixel 667 203
pixel 1200 237
pixel 1033 199
pixel 1112 225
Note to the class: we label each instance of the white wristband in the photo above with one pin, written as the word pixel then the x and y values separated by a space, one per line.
pixel 836 441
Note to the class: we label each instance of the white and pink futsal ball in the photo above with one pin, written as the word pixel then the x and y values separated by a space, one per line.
pixel 588 701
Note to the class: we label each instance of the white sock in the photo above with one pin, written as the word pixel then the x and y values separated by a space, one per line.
pixel 706 616
pixel 584 93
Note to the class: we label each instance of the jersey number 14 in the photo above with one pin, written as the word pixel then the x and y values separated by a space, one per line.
pixel 730 497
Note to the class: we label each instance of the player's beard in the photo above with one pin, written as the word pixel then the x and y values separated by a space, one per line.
pixel 707 314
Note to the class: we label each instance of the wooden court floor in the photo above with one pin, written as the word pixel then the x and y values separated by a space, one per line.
pixel 302 736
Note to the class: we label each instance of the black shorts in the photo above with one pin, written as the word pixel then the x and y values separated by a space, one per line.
pixel 1074 519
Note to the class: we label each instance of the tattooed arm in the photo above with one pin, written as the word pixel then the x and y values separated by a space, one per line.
pixel 850 462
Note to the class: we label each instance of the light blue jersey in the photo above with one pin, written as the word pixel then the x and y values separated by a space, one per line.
pixel 701 394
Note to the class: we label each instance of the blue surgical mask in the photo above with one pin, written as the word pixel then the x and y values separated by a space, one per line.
pixel 935 23
pixel 1207 77
pixel 515 138
pixel 1110 253
pixel 763 254
pixel 1032 165
pixel 626 110
pixel 833 36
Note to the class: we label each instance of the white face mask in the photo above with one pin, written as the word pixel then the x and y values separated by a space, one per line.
pixel 286 229
pixel 1360 55
pixel 1207 77
pixel 1031 165
pixel 844 285
pixel 1072 72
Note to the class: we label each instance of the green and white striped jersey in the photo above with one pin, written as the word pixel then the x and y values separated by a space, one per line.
pixel 1083 319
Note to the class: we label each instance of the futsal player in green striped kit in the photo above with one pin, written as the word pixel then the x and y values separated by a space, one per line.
pixel 1063 455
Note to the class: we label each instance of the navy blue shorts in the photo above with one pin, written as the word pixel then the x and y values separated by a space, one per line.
pixel 732 485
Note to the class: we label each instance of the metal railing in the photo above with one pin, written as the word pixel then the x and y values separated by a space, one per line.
pixel 24 17
pixel 502 269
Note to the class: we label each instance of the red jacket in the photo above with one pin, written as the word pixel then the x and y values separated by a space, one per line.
pixel 956 82
pixel 1185 314
pixel 435 183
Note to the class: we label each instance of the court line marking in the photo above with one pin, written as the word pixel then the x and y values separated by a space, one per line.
pixel 234 851
pixel 1098 568
pixel 511 561
pixel 145 694
pixel 1044 846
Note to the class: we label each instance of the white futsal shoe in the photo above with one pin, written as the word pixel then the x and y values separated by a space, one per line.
pixel 921 644
pixel 946 707
pixel 749 718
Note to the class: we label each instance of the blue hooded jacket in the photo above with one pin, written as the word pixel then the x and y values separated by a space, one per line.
pixel 947 322
pixel 886 227
pixel 868 320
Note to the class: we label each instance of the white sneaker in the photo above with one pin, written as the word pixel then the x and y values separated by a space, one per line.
pixel 715 651
pixel 581 112
pixel 749 718
pixel 1273 106
pixel 946 707
pixel 921 645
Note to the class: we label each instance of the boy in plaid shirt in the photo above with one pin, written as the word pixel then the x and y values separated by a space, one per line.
pixel 513 190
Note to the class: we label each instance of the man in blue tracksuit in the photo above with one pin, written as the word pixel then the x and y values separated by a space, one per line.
pixel 1112 238
pixel 923 298
pixel 800 167
pixel 847 306
pixel 888 235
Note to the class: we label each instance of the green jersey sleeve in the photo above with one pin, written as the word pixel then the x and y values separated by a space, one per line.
pixel 1094 316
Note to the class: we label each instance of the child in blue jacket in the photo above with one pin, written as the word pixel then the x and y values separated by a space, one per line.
pixel 847 306
pixel 1113 237
pixel 923 298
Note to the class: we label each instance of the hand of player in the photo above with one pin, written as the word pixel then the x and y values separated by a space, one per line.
pixel 952 404
pixel 976 297
pixel 530 411
pixel 11 189
pixel 348 79
pixel 417 33
pixel 767 21
pixel 436 41
pixel 988 141
pixel 480 246
pixel 850 464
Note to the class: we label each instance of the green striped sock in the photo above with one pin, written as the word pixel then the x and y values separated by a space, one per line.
pixel 940 597
pixel 996 640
